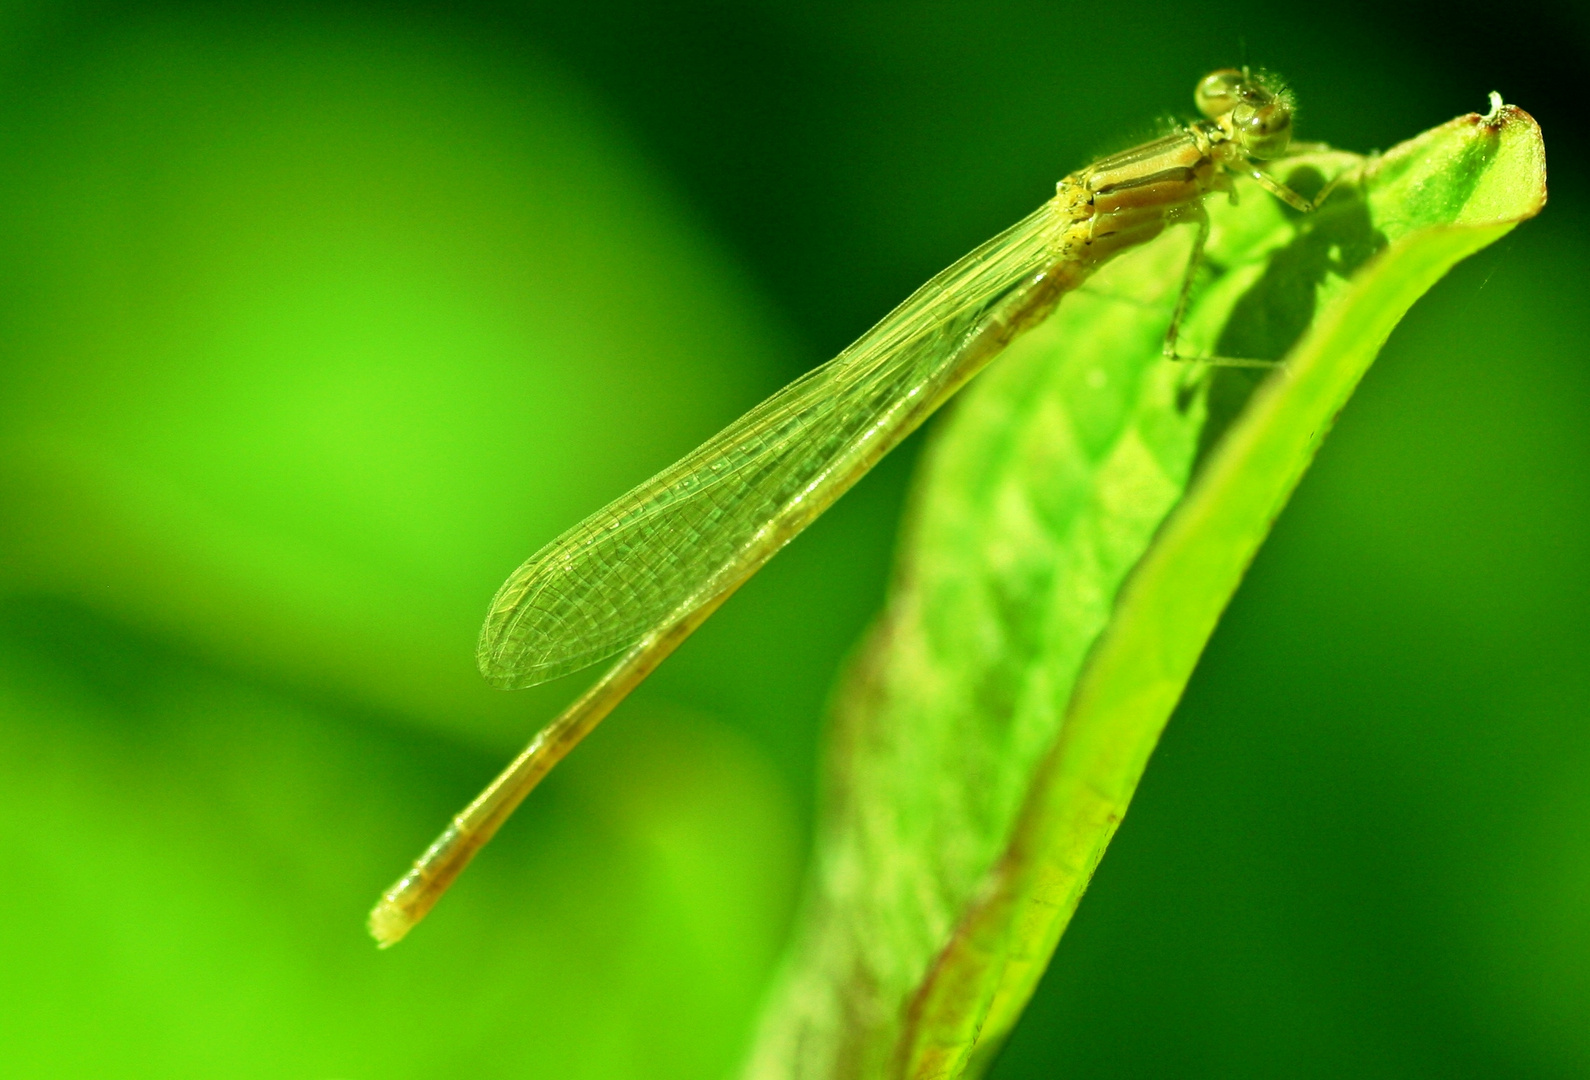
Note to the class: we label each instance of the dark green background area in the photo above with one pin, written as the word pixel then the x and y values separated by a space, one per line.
pixel 315 321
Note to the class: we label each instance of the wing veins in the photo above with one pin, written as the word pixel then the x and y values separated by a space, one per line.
pixel 684 536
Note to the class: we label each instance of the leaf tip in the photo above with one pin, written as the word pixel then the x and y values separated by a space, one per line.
pixel 1520 169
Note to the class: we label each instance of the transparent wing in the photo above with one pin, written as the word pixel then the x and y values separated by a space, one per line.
pixel 712 519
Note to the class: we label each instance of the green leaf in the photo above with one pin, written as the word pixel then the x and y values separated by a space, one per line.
pixel 1079 525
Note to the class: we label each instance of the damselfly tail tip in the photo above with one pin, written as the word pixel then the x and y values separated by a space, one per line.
pixel 389 923
pixel 411 898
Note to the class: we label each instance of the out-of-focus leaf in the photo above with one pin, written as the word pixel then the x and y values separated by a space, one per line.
pixel 192 857
pixel 312 335
pixel 1080 524
pixel 315 324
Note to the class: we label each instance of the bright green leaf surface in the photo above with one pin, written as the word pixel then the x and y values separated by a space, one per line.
pixel 1081 522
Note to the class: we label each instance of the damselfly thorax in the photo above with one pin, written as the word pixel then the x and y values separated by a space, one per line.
pixel 1127 199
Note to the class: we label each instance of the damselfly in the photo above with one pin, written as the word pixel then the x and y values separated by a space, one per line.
pixel 641 574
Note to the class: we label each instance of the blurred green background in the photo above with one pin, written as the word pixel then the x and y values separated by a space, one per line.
pixel 316 320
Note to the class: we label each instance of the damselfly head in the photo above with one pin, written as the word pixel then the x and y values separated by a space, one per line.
pixel 1255 111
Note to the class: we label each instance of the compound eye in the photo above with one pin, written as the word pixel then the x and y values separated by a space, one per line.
pixel 1263 130
pixel 1219 93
